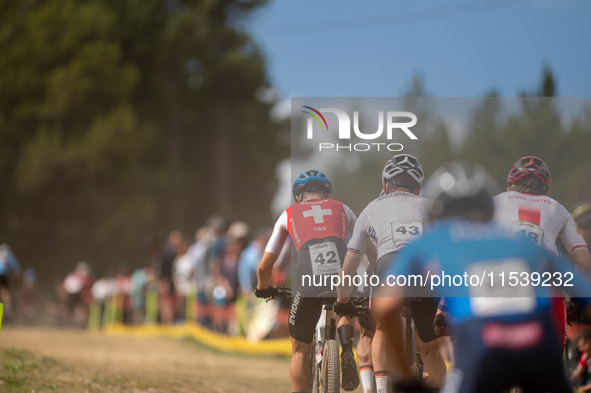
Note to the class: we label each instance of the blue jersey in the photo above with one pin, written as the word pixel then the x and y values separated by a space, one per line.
pixel 475 266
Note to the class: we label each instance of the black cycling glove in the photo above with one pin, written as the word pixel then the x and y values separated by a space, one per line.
pixel 442 326
pixel 266 293
pixel 348 309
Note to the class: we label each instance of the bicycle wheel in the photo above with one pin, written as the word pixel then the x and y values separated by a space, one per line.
pixel 331 368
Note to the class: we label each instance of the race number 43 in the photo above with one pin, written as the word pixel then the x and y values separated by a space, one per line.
pixel 404 232
pixel 325 258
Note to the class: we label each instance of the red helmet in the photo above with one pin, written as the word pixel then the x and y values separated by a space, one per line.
pixel 529 165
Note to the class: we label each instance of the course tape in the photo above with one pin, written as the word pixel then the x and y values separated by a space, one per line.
pixel 206 337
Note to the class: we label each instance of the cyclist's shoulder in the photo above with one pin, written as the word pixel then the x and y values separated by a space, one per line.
pixel 393 202
pixel 523 197
pixel 396 195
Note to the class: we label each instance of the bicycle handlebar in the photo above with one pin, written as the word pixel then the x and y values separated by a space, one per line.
pixel 278 292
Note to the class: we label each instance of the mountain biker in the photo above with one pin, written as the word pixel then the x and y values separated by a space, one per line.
pixel 318 227
pixel 9 271
pixel 391 222
pixel 525 209
pixel 505 335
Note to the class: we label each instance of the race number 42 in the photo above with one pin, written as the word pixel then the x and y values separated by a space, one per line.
pixel 325 258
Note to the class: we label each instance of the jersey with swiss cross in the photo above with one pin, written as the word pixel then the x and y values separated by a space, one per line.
pixel 316 220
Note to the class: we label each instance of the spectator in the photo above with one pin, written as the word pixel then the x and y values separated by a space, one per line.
pixel 226 276
pixel 198 253
pixel 28 296
pixel 249 261
pixel 103 289
pixel 583 371
pixel 139 285
pixel 218 242
pixel 123 289
pixel 152 246
pixel 183 277
pixel 166 286
pixel 77 285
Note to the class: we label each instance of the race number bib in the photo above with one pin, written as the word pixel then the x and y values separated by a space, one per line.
pixel 405 232
pixel 325 258
pixel 492 296
pixel 528 230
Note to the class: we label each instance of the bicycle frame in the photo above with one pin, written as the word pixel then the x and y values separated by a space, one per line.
pixel 325 330
pixel 413 358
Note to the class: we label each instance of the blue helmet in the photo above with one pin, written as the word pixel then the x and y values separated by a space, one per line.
pixel 311 177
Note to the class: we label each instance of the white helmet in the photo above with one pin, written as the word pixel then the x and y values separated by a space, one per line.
pixel 403 163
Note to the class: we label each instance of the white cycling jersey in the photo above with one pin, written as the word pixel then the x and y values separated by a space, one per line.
pixel 539 218
pixel 390 222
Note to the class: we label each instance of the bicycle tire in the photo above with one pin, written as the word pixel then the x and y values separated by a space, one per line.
pixel 331 368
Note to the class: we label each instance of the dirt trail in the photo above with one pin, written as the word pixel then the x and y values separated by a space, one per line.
pixel 151 364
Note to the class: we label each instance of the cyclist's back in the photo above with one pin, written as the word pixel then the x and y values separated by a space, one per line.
pixel 391 222
pixel 525 209
pixel 515 211
pixel 318 230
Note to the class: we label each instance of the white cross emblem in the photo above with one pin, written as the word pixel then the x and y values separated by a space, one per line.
pixel 318 213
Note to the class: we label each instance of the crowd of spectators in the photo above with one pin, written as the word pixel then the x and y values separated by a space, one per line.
pixel 199 279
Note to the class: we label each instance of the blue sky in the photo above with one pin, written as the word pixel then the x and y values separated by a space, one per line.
pixel 462 48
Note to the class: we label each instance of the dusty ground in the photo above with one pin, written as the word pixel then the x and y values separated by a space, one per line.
pixel 42 360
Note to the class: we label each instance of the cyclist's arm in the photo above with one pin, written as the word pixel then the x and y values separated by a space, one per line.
pixel 575 244
pixel 371 252
pixel 272 252
pixel 350 266
pixel 265 269
pixel 357 246
pixel 582 258
pixel 351 219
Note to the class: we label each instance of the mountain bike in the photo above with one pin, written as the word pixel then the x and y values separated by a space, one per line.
pixel 413 358
pixel 324 360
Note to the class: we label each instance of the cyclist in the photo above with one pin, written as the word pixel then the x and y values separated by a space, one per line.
pixel 391 222
pixel 9 270
pixel 525 209
pixel 318 227
pixel 504 335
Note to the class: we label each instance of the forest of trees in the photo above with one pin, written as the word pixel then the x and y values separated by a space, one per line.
pixel 121 118
pixel 496 137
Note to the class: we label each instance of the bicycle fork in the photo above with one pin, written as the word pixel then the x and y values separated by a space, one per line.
pixel 325 330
